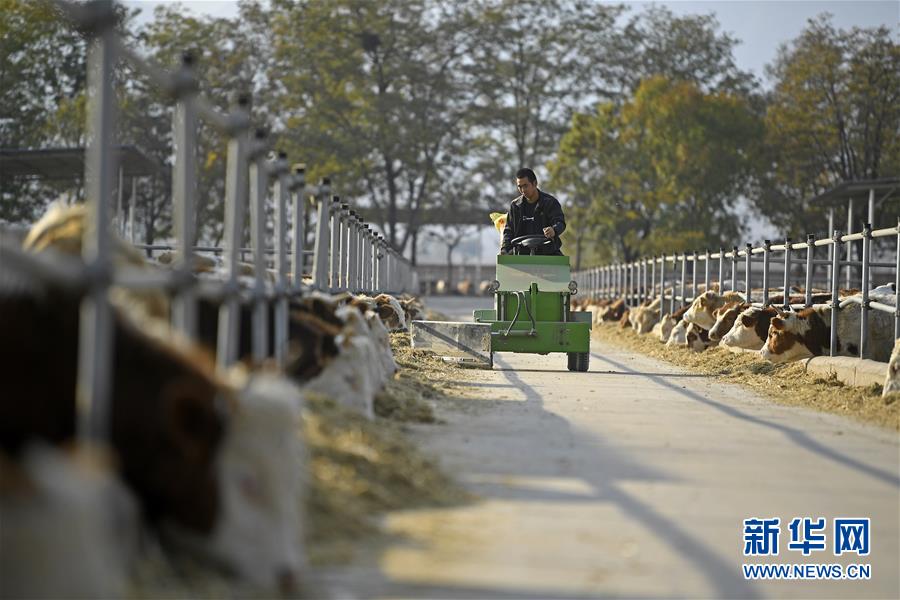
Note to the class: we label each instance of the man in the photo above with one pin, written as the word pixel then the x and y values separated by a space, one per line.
pixel 535 212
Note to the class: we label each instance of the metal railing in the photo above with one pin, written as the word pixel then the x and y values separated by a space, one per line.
pixel 666 276
pixel 347 255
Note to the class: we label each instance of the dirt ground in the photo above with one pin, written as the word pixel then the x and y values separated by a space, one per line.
pixel 787 384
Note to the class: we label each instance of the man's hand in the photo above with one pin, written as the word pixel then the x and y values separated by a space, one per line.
pixel 549 232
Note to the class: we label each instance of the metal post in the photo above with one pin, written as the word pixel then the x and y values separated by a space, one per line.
pixel 120 191
pixel 734 262
pixel 353 253
pixel 184 308
pixel 872 208
pixel 131 208
pixel 810 249
pixel 787 274
pixel 694 274
pixel 864 309
pixel 748 267
pixel 672 298
pixel 830 247
pixel 323 241
pixel 683 277
pixel 334 256
pixel 344 267
pixel 235 207
pixel 662 283
pixel 897 285
pixel 280 170
pixel 96 320
pixel 706 272
pixel 835 302
pixel 767 249
pixel 849 244
pixel 652 277
pixel 721 270
pixel 298 233
pixel 258 187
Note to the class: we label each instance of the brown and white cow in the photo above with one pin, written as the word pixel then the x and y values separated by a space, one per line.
pixel 678 335
pixel 669 322
pixel 703 306
pixel 725 318
pixel 751 328
pixel 697 338
pixel 807 333
pixel 167 412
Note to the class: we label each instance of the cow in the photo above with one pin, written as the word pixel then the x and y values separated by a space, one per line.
pixel 668 323
pixel 701 309
pixel 725 318
pixel 413 309
pixel 259 535
pixel 678 335
pixel 614 311
pixel 167 406
pixel 697 338
pixel 385 306
pixel 61 230
pixel 751 328
pixel 807 333
pixel 644 316
pixel 892 379
pixel 69 527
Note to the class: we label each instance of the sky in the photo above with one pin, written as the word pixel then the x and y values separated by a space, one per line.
pixel 760 25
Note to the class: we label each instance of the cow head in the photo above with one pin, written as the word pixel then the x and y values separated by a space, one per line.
pixel 785 340
pixel 750 329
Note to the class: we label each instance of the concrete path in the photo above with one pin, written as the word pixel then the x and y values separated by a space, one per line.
pixel 632 480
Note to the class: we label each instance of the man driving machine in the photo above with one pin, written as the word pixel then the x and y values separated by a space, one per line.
pixel 535 213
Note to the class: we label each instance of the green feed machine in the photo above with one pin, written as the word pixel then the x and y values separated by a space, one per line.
pixel 532 314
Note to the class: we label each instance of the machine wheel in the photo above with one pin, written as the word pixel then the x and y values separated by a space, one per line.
pixel 579 361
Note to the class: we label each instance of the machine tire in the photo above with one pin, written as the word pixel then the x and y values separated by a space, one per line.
pixel 579 361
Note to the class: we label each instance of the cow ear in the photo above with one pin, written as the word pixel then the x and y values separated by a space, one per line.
pixel 778 323
pixel 192 421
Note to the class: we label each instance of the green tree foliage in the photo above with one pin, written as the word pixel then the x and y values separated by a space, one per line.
pixel 374 93
pixel 660 172
pixel 535 62
pixel 834 116
pixel 656 42
pixel 228 58
pixel 42 78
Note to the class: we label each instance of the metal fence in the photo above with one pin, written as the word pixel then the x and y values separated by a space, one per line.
pixel 666 277
pixel 347 254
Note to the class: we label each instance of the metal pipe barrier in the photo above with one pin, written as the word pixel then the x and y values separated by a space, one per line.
pixel 346 256
pixel 620 280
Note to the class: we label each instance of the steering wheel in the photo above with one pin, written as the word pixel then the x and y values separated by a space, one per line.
pixel 531 241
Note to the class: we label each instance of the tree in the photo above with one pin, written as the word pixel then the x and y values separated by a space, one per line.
pixel 373 92
pixel 662 170
pixel 42 78
pixel 690 48
pixel 536 61
pixel 833 116
pixel 228 58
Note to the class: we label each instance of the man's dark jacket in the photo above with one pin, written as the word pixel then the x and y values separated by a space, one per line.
pixel 547 213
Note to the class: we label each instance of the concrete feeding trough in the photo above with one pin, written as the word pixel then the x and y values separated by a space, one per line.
pixel 460 342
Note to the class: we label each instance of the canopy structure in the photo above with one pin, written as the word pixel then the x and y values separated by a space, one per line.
pixel 866 190
pixel 68 163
